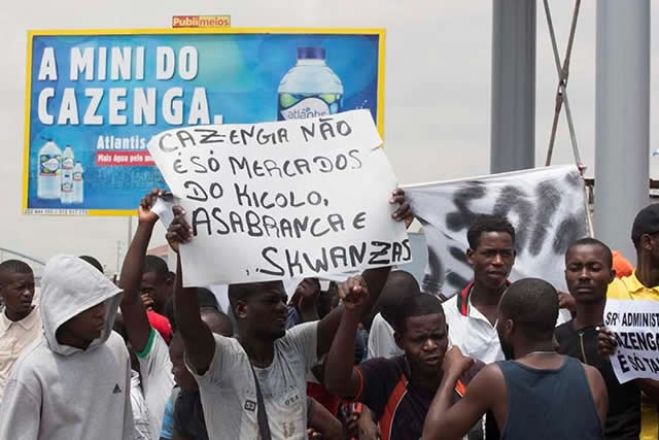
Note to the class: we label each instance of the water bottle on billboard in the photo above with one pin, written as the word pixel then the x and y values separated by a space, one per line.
pixel 310 88
pixel 68 163
pixel 49 163
pixel 78 184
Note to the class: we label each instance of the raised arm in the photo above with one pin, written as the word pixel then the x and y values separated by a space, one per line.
pixel 340 376
pixel 132 308
pixel 444 421
pixel 375 280
pixel 197 338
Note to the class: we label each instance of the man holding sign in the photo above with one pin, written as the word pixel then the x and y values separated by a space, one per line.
pixel 588 272
pixel 637 293
pixel 258 204
pixel 255 386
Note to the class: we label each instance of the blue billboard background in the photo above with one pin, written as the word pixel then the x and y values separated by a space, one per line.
pixel 240 75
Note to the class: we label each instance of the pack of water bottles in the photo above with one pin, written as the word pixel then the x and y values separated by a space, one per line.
pixel 60 177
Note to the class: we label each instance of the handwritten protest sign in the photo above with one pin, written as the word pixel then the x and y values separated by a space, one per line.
pixel 636 328
pixel 282 199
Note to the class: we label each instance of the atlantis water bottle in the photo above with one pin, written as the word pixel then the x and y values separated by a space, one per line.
pixel 310 88
pixel 49 163
pixel 78 184
pixel 68 163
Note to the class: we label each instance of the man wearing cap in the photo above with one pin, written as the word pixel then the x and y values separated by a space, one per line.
pixel 643 284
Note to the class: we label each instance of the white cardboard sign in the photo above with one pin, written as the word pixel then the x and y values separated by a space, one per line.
pixel 284 199
pixel 635 325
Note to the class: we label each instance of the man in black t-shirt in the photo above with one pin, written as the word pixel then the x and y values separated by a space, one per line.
pixel 588 272
pixel 399 390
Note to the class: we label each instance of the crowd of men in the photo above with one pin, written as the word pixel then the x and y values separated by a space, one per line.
pixel 373 357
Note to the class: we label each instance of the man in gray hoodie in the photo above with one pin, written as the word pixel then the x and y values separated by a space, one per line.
pixel 75 382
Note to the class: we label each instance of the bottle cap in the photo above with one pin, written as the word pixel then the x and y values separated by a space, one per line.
pixel 310 53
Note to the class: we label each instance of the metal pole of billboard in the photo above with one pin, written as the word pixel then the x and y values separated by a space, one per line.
pixel 512 142
pixel 622 119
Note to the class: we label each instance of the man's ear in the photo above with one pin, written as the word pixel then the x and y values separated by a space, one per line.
pixel 469 253
pixel 398 338
pixel 646 242
pixel 509 327
pixel 612 276
pixel 171 277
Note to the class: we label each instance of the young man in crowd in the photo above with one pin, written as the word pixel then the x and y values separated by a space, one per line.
pixel 641 285
pixel 157 283
pixel 588 272
pixel 20 323
pixel 538 395
pixel 399 288
pixel 255 385
pixel 188 416
pixel 471 314
pixel 151 349
pixel 74 383
pixel 156 287
pixel 398 390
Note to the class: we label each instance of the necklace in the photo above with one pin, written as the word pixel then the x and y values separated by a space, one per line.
pixel 537 352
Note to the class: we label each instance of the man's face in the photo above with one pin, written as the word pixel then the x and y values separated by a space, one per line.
pixel 182 376
pixel 493 259
pixel 87 325
pixel 158 287
pixel 17 291
pixel 266 311
pixel 587 273
pixel 424 340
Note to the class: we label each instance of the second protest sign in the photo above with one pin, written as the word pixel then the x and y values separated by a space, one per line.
pixel 634 324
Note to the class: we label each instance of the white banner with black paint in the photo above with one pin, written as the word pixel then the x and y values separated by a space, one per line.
pixel 635 325
pixel 283 199
pixel 546 206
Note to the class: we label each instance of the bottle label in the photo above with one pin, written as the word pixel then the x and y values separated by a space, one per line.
pixel 67 181
pixel 67 163
pixel 49 165
pixel 77 177
pixel 298 106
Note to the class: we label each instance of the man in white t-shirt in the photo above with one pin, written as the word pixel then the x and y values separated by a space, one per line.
pixel 20 323
pixel 226 368
pixel 471 314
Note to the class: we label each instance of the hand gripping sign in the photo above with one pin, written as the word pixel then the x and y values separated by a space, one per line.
pixel 635 325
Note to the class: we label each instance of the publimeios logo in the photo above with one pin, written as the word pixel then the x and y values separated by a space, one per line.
pixel 201 21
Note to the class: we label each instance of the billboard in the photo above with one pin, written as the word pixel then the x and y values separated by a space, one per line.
pixel 95 98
